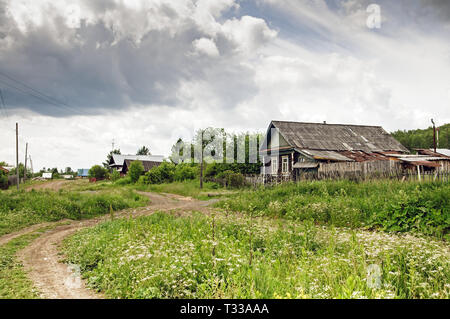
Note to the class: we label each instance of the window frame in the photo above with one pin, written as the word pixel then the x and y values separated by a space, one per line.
pixel 285 160
pixel 274 165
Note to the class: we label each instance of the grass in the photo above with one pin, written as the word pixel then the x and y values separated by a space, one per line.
pixel 19 209
pixel 189 188
pixel 387 205
pixel 14 283
pixel 231 256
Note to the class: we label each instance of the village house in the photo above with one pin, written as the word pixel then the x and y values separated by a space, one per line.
pixel 292 150
pixel 122 162
pixel 4 169
pixel 147 165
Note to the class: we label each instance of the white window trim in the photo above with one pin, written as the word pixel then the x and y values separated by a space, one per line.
pixel 274 162
pixel 285 159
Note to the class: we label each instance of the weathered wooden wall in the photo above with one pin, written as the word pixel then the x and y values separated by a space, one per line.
pixel 360 171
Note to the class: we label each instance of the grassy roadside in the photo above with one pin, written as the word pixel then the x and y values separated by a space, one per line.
pixel 21 209
pixel 190 188
pixel 14 283
pixel 388 205
pixel 230 256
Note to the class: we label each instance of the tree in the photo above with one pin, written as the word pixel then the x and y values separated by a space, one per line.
pixel 98 172
pixel 115 175
pixel 423 138
pixel 109 157
pixel 3 180
pixel 135 171
pixel 21 171
pixel 143 151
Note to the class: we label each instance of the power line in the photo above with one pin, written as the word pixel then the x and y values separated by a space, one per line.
pixel 28 92
pixel 38 94
pixel 3 105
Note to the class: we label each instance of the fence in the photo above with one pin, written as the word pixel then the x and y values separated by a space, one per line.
pixel 359 171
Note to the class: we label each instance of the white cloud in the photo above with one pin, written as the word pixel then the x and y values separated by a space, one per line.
pixel 173 67
pixel 206 46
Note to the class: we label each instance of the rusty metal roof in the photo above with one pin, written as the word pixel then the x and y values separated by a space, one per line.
pixel 440 152
pixel 337 137
pixel 326 155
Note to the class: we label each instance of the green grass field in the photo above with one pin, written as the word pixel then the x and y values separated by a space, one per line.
pixel 19 209
pixel 162 256
pixel 386 205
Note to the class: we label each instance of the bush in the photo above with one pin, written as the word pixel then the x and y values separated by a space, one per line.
pixel 3 180
pixel 97 172
pixel 231 179
pixel 185 172
pixel 123 181
pixel 163 173
pixel 115 175
pixel 135 171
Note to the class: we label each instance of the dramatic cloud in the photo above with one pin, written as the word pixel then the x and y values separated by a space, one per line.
pixel 152 71
pixel 114 54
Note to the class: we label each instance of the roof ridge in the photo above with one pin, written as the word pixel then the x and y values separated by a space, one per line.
pixel 326 123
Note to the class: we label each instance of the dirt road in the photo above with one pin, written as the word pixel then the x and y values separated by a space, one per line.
pixel 55 185
pixel 57 280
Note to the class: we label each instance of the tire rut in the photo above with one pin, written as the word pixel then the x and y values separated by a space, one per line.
pixel 57 280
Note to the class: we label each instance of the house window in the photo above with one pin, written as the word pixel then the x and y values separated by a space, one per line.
pixel 274 165
pixel 285 164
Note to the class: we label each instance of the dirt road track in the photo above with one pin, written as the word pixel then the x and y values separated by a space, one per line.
pixel 57 280
pixel 52 185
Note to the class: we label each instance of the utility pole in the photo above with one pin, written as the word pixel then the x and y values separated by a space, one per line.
pixel 31 164
pixel 434 135
pixel 201 161
pixel 17 154
pixel 25 168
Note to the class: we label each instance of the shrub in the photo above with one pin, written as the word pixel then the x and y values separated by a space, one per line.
pixel 97 172
pixel 184 172
pixel 3 180
pixel 115 175
pixel 163 173
pixel 135 171
pixel 167 171
pixel 123 181
pixel 231 179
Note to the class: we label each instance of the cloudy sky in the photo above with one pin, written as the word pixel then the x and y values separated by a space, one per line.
pixel 78 74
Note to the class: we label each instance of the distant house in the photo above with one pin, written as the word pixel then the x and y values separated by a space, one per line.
pixel 291 149
pixel 118 161
pixel 47 175
pixel 147 165
pixel 3 169
pixel 83 172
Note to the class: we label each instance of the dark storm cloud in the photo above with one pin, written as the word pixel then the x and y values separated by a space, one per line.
pixel 89 71
pixel 441 7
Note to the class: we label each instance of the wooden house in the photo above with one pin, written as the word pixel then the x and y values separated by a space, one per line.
pixel 147 165
pixel 118 161
pixel 291 149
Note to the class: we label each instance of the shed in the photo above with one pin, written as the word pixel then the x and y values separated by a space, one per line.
pixel 47 175
pixel 83 172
